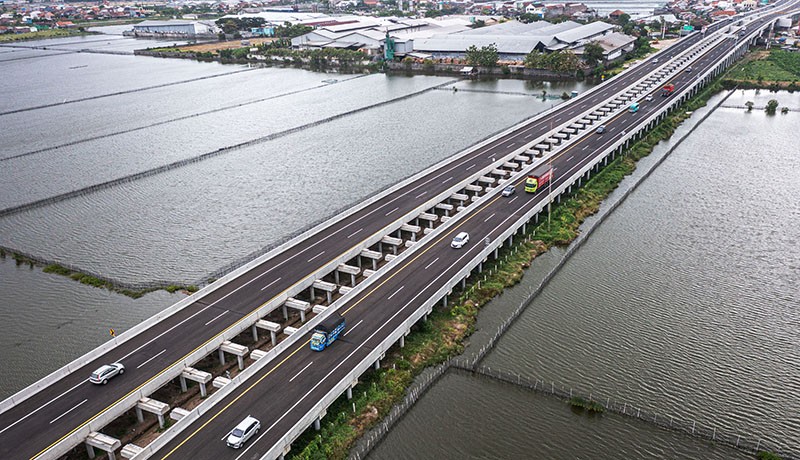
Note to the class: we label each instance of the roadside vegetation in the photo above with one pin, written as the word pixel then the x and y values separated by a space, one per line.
pixel 443 335
pixel 775 69
pixel 42 34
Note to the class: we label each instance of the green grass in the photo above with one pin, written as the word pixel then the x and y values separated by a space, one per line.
pixel 778 66
pixel 42 34
pixel 589 405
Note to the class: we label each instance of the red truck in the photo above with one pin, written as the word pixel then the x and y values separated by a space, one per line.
pixel 538 178
pixel 667 90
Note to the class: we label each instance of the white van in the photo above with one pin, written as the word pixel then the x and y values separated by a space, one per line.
pixel 243 431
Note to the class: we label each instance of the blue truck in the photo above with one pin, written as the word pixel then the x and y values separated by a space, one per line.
pixel 327 331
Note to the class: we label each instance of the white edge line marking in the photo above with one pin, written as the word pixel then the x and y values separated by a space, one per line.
pixel 270 284
pixel 395 292
pixel 301 371
pixel 216 317
pixel 43 406
pixel 429 265
pixel 351 328
pixel 67 412
pixel 157 355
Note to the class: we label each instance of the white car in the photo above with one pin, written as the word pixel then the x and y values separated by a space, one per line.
pixel 460 240
pixel 105 372
pixel 649 97
pixel 245 430
pixel 508 191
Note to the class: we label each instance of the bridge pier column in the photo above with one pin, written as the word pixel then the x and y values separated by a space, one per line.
pixel 510 241
pixel 285 314
pixel 254 330
pixel 495 253
pixel 184 388
pixel 221 357
pixel 402 341
pixel 480 267
pixel 525 227
pixel 349 393
pixel 139 415
pixel 317 424
pixel 90 451
pixel 336 277
pixel 463 283
pixel 377 364
pixel 444 301
pixel 312 293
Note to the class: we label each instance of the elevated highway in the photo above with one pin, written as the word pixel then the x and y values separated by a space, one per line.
pixel 60 411
pixel 292 392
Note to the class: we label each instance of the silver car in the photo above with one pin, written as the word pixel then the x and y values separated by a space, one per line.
pixel 508 191
pixel 245 430
pixel 105 372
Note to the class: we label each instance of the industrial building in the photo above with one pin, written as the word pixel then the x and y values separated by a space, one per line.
pixel 174 28
pixel 449 39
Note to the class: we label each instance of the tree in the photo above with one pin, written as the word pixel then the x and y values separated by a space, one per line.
pixel 593 54
pixel 528 18
pixel 749 105
pixel 485 56
pixel 772 106
pixel 535 60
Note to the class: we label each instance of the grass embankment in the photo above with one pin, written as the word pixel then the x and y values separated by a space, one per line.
pixel 775 69
pixel 91 280
pixel 42 34
pixel 442 336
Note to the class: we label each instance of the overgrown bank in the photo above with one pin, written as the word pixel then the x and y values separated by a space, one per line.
pixel 90 279
pixel 443 336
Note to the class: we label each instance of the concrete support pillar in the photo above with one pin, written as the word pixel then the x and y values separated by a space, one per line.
pixel 480 267
pixel 285 313
pixel 184 388
pixel 221 357
pixel 377 364
pixel 496 253
pixel 463 283
pixel 336 276
pixel 254 330
pixel 402 341
pixel 139 414
pixel 313 294
pixel 317 424
pixel 90 451
pixel 349 393
pixel 444 302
